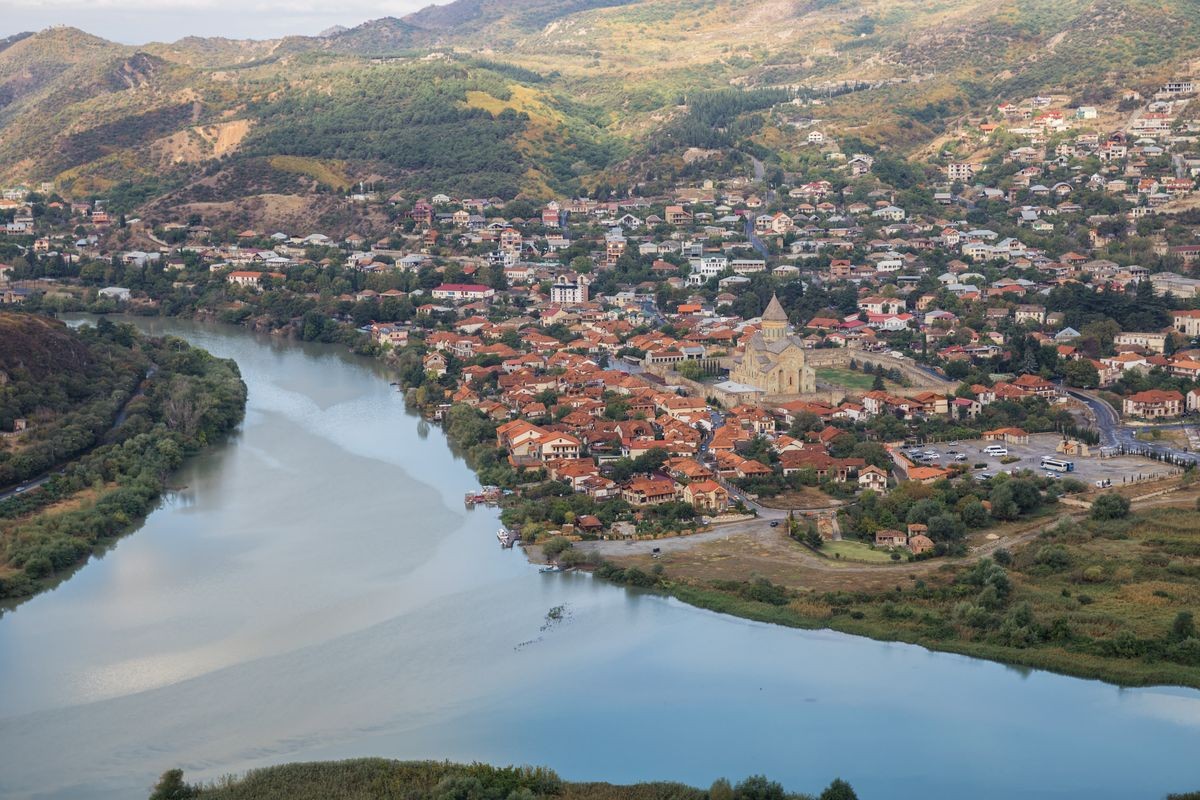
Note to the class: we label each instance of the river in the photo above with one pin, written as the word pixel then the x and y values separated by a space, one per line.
pixel 315 589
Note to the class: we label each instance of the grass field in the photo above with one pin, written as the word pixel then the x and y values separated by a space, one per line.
pixel 856 551
pixel 1098 599
pixel 849 378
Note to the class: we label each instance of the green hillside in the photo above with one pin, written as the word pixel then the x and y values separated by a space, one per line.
pixel 532 98
pixel 107 414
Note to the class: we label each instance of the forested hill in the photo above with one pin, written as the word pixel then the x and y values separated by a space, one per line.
pixel 95 419
pixel 35 351
pixel 539 97
pixel 65 390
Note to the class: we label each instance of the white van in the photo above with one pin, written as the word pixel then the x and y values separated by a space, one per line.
pixel 995 450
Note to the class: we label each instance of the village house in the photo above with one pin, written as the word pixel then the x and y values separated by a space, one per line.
pixel 873 478
pixel 706 495
pixel 1186 322
pixel 463 291
pixel 1154 404
pixel 1006 435
pixel 648 491
pixel 247 278
pixel 1152 341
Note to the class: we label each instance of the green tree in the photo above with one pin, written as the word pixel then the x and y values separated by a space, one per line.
pixel 172 787
pixel 838 790
pixel 757 787
pixel 1184 627
pixel 1082 373
pixel 720 790
pixel 812 537
pixel 1110 506
pixel 946 528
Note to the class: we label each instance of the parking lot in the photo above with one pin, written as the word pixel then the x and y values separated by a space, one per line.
pixel 1119 469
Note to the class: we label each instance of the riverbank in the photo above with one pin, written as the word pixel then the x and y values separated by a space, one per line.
pixel 187 401
pixel 1052 603
pixel 1059 661
pixel 371 778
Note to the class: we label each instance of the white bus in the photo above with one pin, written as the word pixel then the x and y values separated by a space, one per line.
pixel 1057 464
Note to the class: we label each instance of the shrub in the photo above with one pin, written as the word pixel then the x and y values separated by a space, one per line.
pixel 555 547
pixel 1053 556
pixel 1110 506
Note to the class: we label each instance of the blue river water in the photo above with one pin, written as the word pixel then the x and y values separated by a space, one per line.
pixel 313 588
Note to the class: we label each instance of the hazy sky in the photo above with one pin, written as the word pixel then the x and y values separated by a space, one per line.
pixel 140 21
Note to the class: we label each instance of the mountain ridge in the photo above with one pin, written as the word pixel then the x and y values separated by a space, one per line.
pixel 552 97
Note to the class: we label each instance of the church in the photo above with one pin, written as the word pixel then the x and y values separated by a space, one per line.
pixel 774 359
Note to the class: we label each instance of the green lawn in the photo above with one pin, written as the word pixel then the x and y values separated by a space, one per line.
pixel 848 378
pixel 855 551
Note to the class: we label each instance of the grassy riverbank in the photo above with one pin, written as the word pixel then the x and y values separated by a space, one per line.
pixel 371 778
pixel 182 400
pixel 1111 600
pixel 1054 660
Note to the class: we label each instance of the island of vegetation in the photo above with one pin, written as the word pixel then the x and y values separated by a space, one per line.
pixel 92 423
pixel 377 778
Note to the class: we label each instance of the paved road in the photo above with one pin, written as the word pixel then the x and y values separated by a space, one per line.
pixel 21 488
pixel 760 169
pixel 930 371
pixel 1114 434
pixel 755 242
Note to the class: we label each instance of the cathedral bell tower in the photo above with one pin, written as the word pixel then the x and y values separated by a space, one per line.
pixel 774 321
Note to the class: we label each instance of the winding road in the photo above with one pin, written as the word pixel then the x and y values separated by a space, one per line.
pixel 21 488
pixel 1114 434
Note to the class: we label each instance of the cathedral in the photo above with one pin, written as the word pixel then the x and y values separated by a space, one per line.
pixel 774 359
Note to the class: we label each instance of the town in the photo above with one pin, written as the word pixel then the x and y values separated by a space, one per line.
pixel 1018 308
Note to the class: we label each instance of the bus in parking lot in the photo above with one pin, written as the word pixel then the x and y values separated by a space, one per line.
pixel 1057 464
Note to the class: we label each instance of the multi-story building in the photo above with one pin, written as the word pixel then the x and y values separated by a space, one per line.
pixel 1186 322
pixel 1154 404
pixel 1155 342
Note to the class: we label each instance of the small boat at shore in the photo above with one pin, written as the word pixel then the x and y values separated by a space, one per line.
pixel 507 538
pixel 488 495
